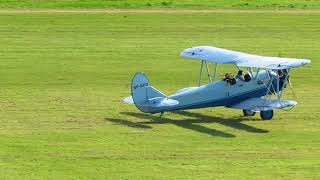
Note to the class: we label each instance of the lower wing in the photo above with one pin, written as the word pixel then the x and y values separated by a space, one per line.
pixel 259 104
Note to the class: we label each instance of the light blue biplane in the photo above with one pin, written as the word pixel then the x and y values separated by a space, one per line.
pixel 259 90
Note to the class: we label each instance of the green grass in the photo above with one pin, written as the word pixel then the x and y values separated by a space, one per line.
pixel 194 4
pixel 63 77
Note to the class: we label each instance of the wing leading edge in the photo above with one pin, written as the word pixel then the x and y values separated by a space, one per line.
pixel 224 56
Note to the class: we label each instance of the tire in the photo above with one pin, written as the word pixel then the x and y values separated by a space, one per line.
pixel 266 115
pixel 248 113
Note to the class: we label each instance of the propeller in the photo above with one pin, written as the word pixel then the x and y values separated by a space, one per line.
pixel 290 85
pixel 291 88
pixel 288 79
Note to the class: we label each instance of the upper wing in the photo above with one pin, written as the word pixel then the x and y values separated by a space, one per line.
pixel 259 104
pixel 224 56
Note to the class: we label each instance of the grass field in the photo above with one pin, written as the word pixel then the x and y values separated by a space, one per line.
pixel 193 4
pixel 63 77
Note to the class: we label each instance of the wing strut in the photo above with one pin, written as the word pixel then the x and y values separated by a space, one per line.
pixel 200 75
pixel 208 73
pixel 215 71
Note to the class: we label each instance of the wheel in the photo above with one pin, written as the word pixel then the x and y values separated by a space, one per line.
pixel 248 112
pixel 266 115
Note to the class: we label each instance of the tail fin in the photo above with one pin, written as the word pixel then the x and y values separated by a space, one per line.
pixel 145 97
pixel 142 91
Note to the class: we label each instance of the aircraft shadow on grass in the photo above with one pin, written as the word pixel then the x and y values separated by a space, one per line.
pixel 191 123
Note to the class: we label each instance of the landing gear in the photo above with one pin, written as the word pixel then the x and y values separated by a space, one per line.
pixel 266 115
pixel 248 112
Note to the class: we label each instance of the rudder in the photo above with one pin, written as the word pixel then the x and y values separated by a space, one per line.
pixel 139 90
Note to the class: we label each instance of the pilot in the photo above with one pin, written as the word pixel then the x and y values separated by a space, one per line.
pixel 232 80
pixel 247 77
pixel 240 75
pixel 227 78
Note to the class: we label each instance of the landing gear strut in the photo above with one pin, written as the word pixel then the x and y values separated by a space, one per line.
pixel 248 112
pixel 266 115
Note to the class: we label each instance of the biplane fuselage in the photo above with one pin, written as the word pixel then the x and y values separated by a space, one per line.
pixel 270 76
pixel 219 93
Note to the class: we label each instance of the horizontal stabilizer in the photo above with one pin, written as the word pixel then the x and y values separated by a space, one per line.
pixel 153 92
pixel 128 100
pixel 259 104
pixel 160 102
